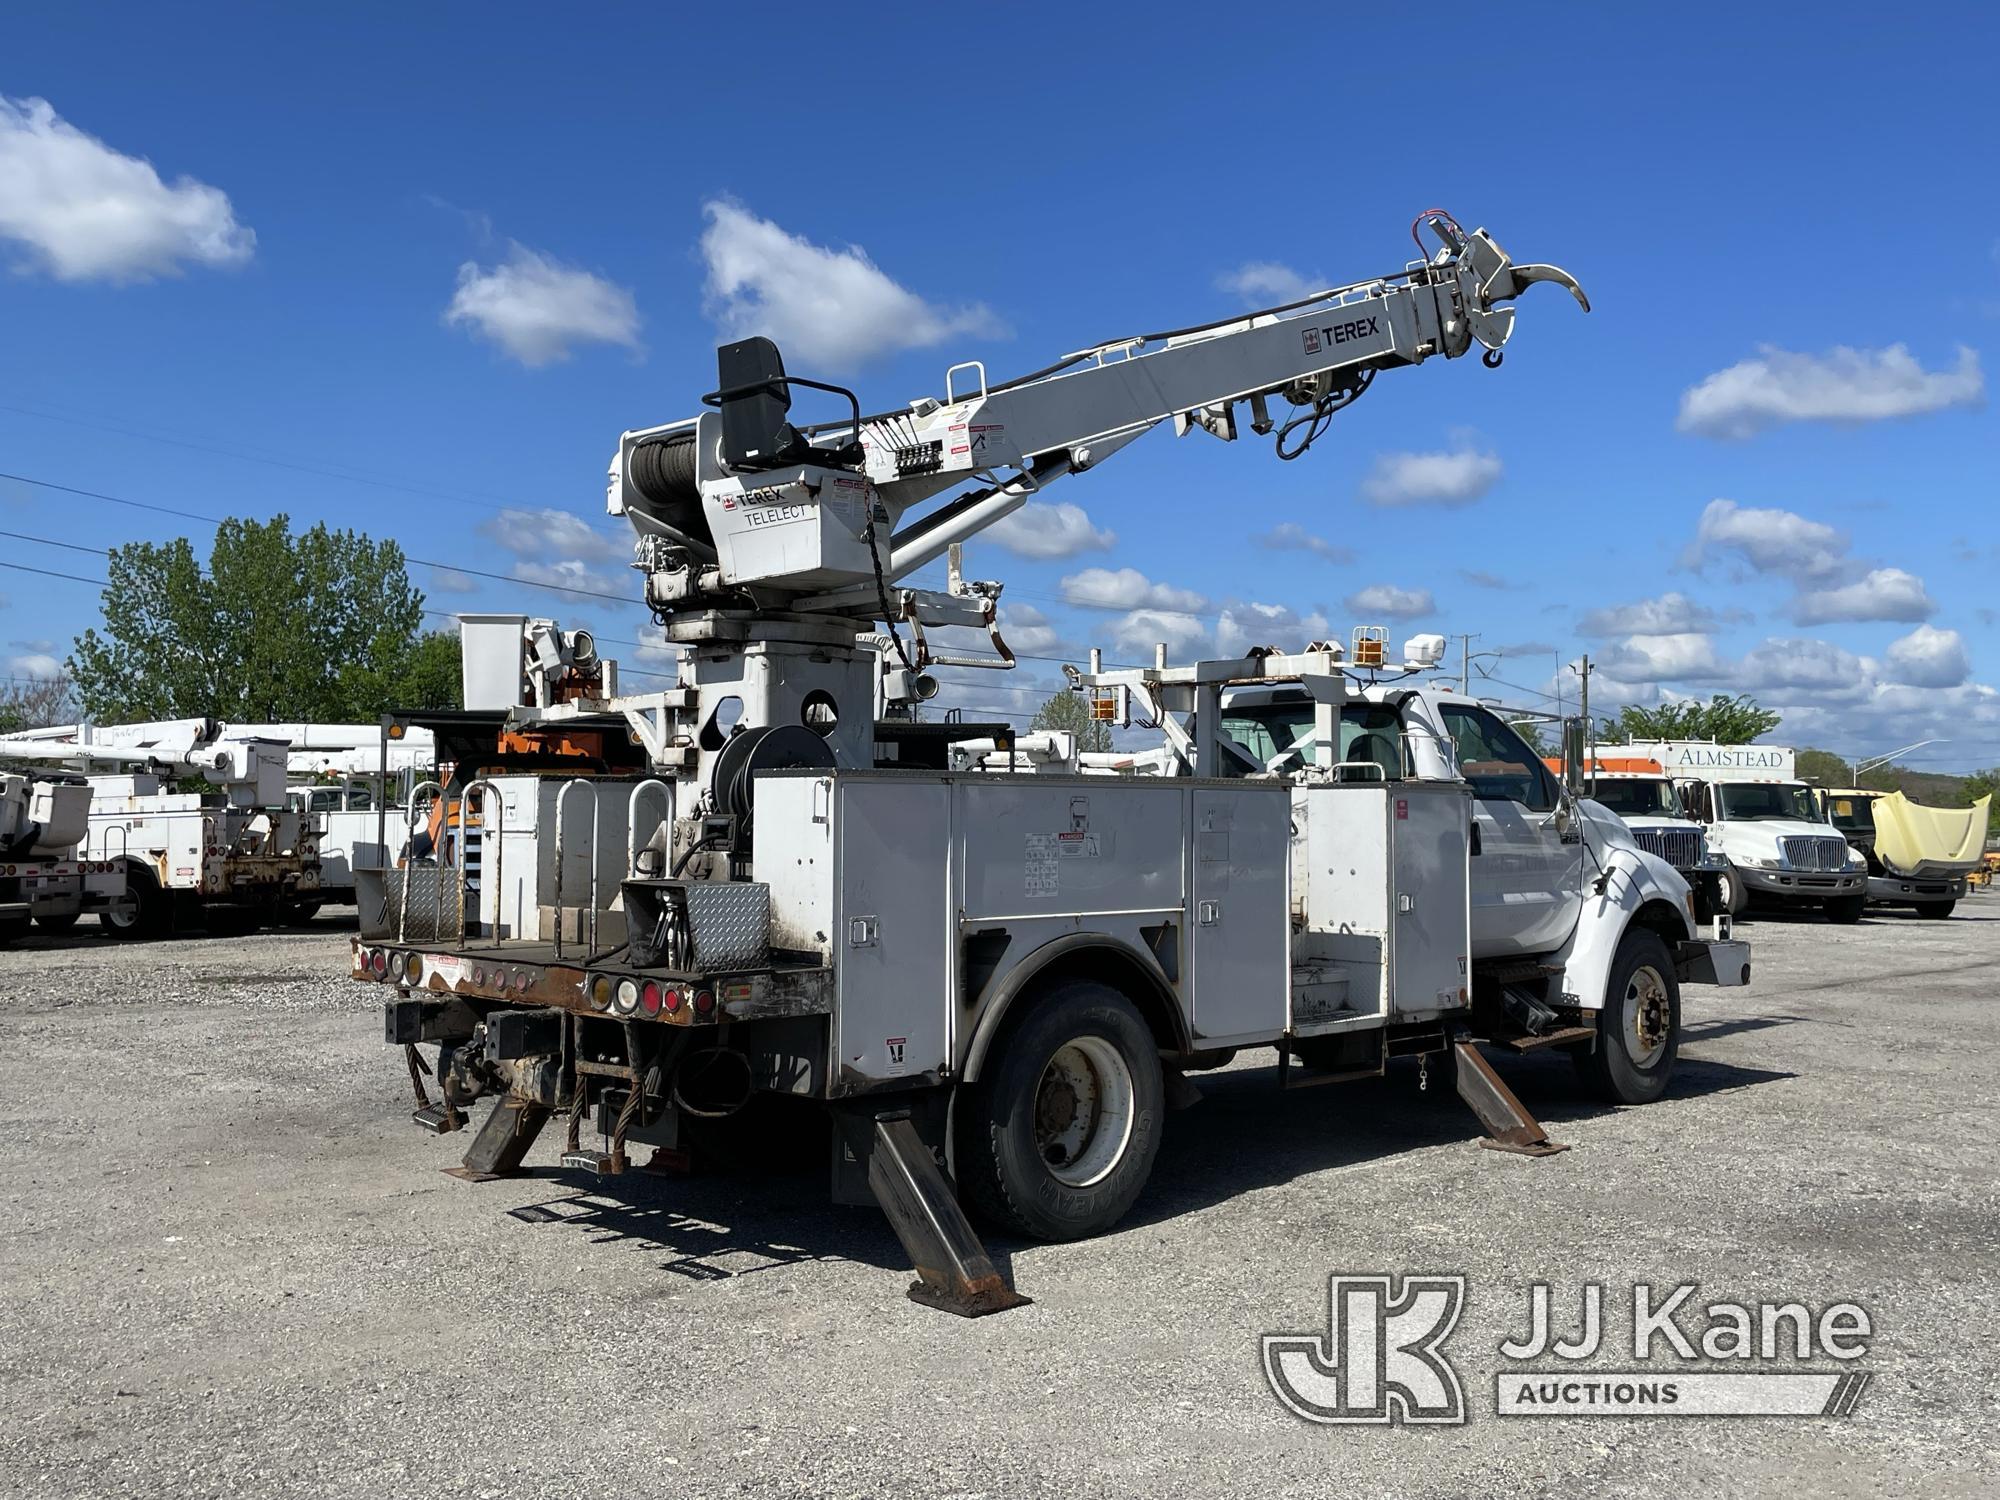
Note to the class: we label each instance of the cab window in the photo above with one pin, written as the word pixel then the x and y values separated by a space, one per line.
pixel 1496 762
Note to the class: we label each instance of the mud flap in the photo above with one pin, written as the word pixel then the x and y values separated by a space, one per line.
pixel 954 1272
pixel 1506 1121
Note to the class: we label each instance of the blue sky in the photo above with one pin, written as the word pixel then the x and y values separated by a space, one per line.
pixel 413 269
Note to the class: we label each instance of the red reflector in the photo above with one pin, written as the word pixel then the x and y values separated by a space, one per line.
pixel 704 1002
pixel 479 973
pixel 650 998
pixel 673 999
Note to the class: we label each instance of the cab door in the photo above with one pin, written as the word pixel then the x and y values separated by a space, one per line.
pixel 1527 879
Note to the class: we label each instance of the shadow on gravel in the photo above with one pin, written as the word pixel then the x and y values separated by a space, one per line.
pixel 1204 1158
pixel 761 1204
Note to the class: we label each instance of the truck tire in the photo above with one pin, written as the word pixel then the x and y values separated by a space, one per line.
pixel 1845 909
pixel 13 928
pixel 1732 892
pixel 1639 1027
pixel 1935 911
pixel 143 912
pixel 61 923
pixel 1057 1140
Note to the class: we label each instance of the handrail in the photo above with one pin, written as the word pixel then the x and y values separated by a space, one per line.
pixel 562 798
pixel 124 842
pixel 498 842
pixel 632 819
pixel 403 908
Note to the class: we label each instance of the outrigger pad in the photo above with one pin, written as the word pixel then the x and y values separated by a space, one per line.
pixel 954 1272
pixel 1508 1125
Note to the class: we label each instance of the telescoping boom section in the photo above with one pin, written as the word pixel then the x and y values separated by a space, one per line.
pixel 648 919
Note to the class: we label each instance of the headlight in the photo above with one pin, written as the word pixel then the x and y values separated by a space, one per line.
pixel 1856 860
pixel 1768 864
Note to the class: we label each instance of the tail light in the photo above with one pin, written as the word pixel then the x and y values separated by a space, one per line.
pixel 479 974
pixel 600 993
pixel 413 967
pixel 650 998
pixel 672 999
pixel 628 997
pixel 378 962
pixel 704 1002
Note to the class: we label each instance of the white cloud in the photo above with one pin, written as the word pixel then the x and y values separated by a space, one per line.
pixel 572 574
pixel 1185 635
pixel 86 212
pixel 550 532
pixel 1929 657
pixel 1043 530
pixel 1776 666
pixel 537 309
pixel 1451 479
pixel 451 581
pixel 1243 626
pixel 1883 594
pixel 34 664
pixel 1290 536
pixel 1128 588
pixel 1670 614
pixel 1267 283
pixel 1843 385
pixel 829 308
pixel 1682 656
pixel 1386 601
pixel 1770 540
pixel 1027 630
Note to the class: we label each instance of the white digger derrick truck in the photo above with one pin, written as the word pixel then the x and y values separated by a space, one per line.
pixel 638 912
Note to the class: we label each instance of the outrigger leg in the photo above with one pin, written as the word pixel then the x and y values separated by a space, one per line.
pixel 503 1141
pixel 1508 1125
pixel 954 1272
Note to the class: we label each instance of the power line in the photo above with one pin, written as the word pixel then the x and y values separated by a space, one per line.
pixel 45 573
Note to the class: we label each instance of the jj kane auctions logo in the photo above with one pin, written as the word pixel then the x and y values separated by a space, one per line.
pixel 1382 1359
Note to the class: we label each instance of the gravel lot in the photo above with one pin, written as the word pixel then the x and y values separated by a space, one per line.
pixel 230 1265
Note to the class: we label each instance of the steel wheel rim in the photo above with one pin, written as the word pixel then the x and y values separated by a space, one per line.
pixel 1084 1106
pixel 123 912
pixel 1648 1015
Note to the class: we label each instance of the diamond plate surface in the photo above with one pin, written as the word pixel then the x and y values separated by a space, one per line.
pixel 731 924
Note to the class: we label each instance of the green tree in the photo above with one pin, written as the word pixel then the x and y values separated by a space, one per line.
pixel 1824 768
pixel 36 703
pixel 320 626
pixel 1986 784
pixel 429 676
pixel 1070 711
pixel 1727 718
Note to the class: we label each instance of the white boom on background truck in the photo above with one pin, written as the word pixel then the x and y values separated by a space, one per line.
pixel 233 858
pixel 1770 826
pixel 642 913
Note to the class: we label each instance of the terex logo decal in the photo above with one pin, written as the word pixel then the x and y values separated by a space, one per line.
pixel 1379 1360
pixel 1341 333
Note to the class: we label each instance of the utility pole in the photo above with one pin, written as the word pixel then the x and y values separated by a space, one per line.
pixel 1582 670
pixel 1465 663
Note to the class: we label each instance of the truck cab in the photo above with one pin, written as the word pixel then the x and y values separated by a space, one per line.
pixel 1917 857
pixel 1640 792
pixel 1781 850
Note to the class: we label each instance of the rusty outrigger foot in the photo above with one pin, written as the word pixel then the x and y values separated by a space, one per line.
pixel 1506 1121
pixel 954 1272
pixel 503 1141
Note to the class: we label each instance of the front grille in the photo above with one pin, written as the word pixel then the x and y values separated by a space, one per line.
pixel 1679 847
pixel 1815 854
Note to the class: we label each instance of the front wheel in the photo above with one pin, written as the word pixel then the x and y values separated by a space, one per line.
pixel 1730 892
pixel 1845 910
pixel 1639 1026
pixel 1935 911
pixel 1057 1140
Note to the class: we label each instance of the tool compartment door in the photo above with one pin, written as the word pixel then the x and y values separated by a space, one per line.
pixel 1239 932
pixel 891 942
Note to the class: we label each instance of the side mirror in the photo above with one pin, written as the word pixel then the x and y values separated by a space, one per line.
pixel 1573 755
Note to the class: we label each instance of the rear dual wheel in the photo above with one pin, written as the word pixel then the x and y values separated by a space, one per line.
pixel 1057 1140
